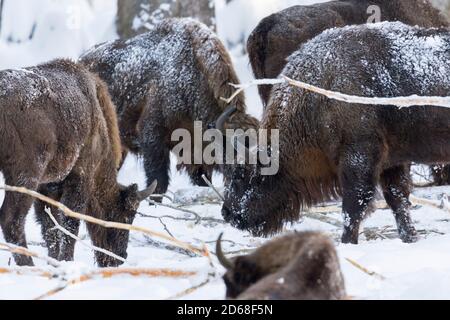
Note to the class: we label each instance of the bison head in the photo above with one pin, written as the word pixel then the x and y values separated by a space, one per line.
pixel 123 209
pixel 253 201
pixel 241 274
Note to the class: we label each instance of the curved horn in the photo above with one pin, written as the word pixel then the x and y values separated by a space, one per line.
pixel 145 194
pixel 220 123
pixel 224 261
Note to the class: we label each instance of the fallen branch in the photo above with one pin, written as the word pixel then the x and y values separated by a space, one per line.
pixel 365 270
pixel 198 218
pixel 443 205
pixel 109 273
pixel 28 272
pixel 76 238
pixel 25 252
pixel 109 225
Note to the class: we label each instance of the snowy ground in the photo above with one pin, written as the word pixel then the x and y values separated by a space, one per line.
pixel 416 271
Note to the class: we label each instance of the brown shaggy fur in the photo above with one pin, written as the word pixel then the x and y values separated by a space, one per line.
pixel 299 266
pixel 329 147
pixel 281 34
pixel 69 150
pixel 165 80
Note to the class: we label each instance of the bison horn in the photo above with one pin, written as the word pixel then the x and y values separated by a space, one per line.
pixel 220 123
pixel 145 194
pixel 224 261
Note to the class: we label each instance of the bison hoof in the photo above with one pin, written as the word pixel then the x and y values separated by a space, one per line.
pixel 22 261
pixel 409 236
pixel 350 238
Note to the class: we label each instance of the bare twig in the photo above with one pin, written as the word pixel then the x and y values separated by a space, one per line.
pixel 109 273
pixel 402 102
pixel 190 290
pixel 25 252
pixel 76 238
pixel 165 227
pixel 110 225
pixel 430 203
pixel 198 218
pixel 243 87
pixel 209 183
pixel 28 272
pixel 365 270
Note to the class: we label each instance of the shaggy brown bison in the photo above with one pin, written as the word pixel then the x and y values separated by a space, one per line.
pixel 330 148
pixel 60 137
pixel 300 266
pixel 165 80
pixel 281 34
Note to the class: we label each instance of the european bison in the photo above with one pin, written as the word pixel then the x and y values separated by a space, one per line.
pixel 165 80
pixel 330 148
pixel 60 137
pixel 300 266
pixel 281 34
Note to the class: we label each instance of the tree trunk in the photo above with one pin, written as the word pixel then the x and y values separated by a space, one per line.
pixel 138 16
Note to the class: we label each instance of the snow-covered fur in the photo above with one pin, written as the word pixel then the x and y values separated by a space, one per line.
pixel 279 35
pixel 330 147
pixel 299 266
pixel 59 135
pixel 165 80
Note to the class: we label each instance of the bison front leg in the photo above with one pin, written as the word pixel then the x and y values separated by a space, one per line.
pixel 52 236
pixel 13 216
pixel 76 191
pixel 358 181
pixel 396 183
pixel 156 155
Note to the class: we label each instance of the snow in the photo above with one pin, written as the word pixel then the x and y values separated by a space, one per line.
pixel 412 271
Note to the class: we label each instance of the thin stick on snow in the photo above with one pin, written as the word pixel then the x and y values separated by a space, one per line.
pixel 25 252
pixel 365 270
pixel 109 225
pixel 242 87
pixel 78 239
pixel 112 272
pixel 430 203
pixel 198 218
pixel 27 272
pixel 209 183
pixel 190 290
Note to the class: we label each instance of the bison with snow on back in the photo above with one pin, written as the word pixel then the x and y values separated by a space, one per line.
pixel 299 266
pixel 330 148
pixel 60 137
pixel 165 80
pixel 281 34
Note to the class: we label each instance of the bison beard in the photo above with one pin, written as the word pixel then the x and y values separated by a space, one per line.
pixel 300 266
pixel 69 150
pixel 330 148
pixel 166 80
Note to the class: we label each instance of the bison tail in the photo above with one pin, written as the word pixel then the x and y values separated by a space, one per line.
pixel 257 46
pixel 109 112
pixel 215 62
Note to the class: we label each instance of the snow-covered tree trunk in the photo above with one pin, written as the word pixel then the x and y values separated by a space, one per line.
pixel 137 16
